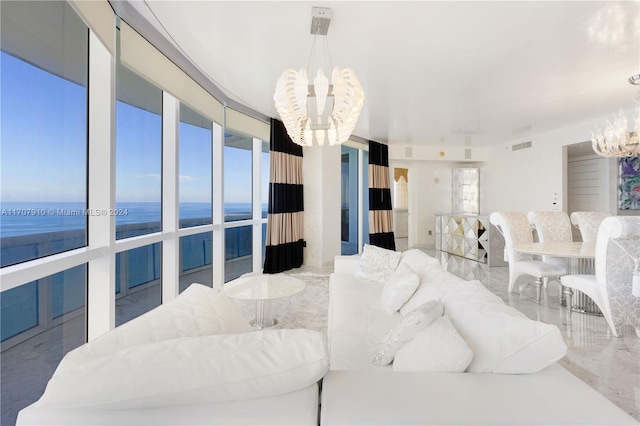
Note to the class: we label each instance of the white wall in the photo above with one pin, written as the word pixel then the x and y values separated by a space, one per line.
pixel 528 179
pixel 521 180
pixel 321 174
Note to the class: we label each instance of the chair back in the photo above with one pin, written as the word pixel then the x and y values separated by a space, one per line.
pixel 515 228
pixel 551 226
pixel 588 223
pixel 617 246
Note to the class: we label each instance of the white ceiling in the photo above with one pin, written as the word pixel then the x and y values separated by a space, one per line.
pixel 476 73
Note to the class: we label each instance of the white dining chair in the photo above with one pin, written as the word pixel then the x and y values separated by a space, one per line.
pixel 617 254
pixel 588 223
pixel 516 230
pixel 552 227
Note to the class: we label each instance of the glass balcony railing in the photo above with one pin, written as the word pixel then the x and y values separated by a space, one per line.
pixel 136 269
pixel 22 248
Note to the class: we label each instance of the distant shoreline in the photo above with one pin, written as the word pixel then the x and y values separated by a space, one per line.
pixel 28 218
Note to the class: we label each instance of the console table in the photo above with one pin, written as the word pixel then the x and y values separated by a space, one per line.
pixel 470 236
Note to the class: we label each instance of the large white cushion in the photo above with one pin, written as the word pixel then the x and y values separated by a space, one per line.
pixel 198 311
pixel 194 370
pixel 377 263
pixel 399 288
pixel 403 331
pixel 502 339
pixel 429 275
pixel 386 397
pixel 417 260
pixel 437 348
pixel 355 321
pixel 293 408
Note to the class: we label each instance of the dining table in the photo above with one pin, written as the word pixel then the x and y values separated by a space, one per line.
pixel 580 259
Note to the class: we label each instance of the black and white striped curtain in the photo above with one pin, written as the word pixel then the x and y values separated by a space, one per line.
pixel 380 210
pixel 285 222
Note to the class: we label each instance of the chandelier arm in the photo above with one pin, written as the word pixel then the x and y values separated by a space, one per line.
pixel 328 53
pixel 311 54
pixel 616 140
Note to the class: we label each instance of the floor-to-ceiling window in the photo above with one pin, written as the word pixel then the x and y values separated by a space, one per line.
pixel 138 191
pixel 246 195
pixel 238 204
pixel 43 190
pixel 195 208
pixel 64 276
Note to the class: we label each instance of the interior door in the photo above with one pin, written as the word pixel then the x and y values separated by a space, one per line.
pixel 587 185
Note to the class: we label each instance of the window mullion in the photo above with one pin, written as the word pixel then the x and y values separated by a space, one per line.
pixel 170 174
pixel 217 175
pixel 257 203
pixel 101 183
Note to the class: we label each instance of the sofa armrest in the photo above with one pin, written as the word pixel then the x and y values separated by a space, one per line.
pixel 346 264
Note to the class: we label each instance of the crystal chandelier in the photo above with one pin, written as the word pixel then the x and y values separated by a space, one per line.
pixel 615 140
pixel 321 112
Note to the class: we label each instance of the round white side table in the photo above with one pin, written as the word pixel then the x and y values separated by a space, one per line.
pixel 263 289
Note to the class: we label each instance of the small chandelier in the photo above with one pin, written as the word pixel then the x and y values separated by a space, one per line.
pixel 615 140
pixel 321 112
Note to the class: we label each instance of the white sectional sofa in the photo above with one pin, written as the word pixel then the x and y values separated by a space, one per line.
pixel 513 378
pixel 192 361
pixel 196 360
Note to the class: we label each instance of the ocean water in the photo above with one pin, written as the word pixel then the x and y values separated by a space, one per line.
pixel 27 218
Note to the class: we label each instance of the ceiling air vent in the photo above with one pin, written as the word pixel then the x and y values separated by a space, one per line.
pixel 408 152
pixel 523 145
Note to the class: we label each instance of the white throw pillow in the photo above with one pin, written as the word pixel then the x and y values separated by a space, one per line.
pixel 197 311
pixel 194 370
pixel 417 260
pixel 399 288
pixel 408 326
pixel 437 348
pixel 377 263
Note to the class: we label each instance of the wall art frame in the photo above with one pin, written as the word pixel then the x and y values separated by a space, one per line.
pixel 629 183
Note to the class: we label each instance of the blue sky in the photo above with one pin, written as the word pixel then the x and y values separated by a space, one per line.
pixel 43 149
pixel 43 135
pixel 195 163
